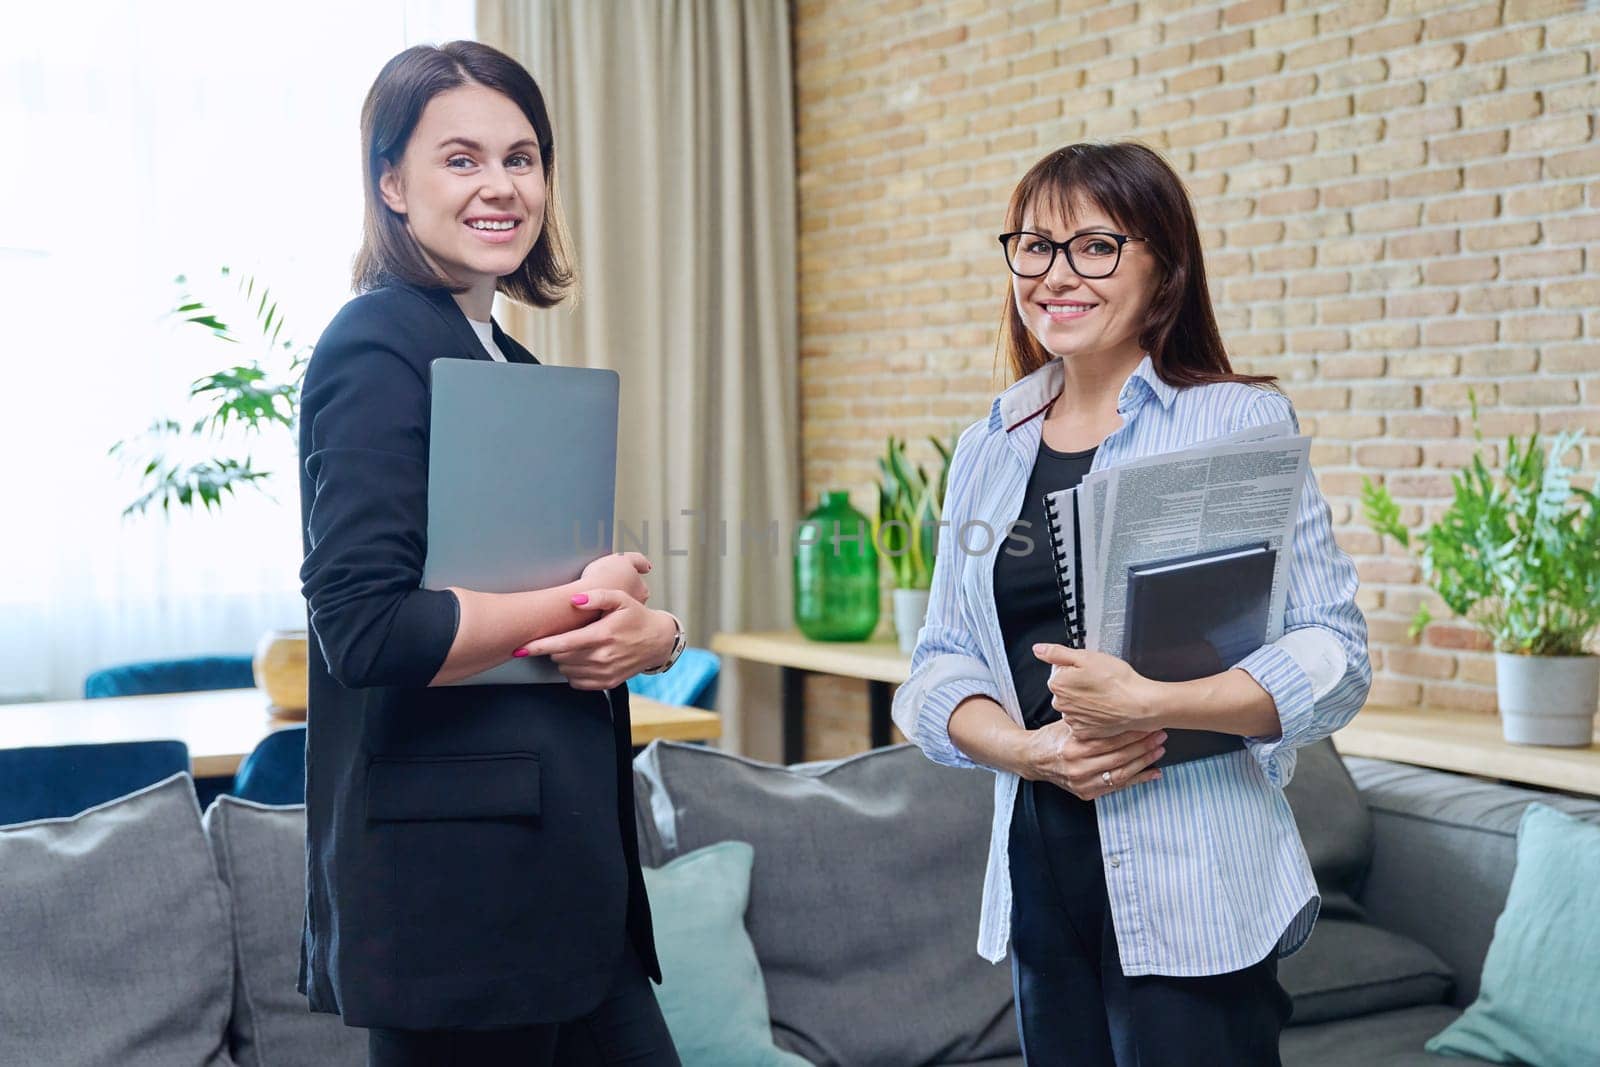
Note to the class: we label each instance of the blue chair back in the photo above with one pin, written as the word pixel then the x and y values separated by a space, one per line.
pixel 170 676
pixel 692 681
pixel 275 771
pixel 60 780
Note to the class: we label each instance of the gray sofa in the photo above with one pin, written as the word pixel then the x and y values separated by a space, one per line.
pixel 183 934
pixel 868 871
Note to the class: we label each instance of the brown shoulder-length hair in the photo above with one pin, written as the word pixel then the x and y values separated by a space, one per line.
pixel 393 108
pixel 1146 198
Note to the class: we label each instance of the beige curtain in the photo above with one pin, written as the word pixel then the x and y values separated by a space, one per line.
pixel 675 152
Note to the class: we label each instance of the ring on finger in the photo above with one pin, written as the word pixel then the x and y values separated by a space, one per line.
pixel 1105 776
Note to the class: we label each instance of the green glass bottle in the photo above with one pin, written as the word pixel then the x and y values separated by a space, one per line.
pixel 835 572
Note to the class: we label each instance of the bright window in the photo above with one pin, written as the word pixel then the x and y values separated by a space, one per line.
pixel 146 140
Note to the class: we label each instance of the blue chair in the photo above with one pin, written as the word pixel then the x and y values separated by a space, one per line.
pixel 692 681
pixel 60 780
pixel 170 676
pixel 275 771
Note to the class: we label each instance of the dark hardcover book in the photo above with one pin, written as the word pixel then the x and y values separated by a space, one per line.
pixel 1195 616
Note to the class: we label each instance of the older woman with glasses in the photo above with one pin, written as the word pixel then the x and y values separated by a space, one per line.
pixel 1144 908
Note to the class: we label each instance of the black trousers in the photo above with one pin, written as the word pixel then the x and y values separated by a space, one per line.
pixel 627 1028
pixel 1075 1008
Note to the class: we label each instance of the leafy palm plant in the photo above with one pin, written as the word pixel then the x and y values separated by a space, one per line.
pixel 261 390
pixel 909 506
pixel 1516 555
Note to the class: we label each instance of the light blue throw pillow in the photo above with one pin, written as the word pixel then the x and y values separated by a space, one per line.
pixel 712 992
pixel 1541 978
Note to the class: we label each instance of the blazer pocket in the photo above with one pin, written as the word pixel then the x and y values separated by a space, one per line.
pixel 425 788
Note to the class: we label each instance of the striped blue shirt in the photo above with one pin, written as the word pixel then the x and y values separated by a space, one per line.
pixel 1205 870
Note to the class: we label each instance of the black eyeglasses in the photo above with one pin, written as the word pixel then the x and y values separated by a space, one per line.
pixel 1090 255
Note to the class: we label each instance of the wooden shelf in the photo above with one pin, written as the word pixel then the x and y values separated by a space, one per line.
pixel 879 660
pixel 1461 741
pixel 654 721
pixel 1468 743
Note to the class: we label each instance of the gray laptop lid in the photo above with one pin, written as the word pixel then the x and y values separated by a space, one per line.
pixel 522 478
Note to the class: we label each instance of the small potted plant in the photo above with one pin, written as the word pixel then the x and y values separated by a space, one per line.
pixel 258 392
pixel 906 530
pixel 1518 555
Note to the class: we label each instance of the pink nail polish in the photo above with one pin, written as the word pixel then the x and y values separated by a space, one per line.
pixel 581 599
pixel 519 653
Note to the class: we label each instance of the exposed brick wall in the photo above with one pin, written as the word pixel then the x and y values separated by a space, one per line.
pixel 1399 200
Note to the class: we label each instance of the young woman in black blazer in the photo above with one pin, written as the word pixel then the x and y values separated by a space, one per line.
pixel 473 884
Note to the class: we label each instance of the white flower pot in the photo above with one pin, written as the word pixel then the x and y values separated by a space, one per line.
pixel 1547 700
pixel 910 609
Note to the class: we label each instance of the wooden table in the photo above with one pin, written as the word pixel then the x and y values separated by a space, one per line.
pixel 1469 743
pixel 222 726
pixel 879 663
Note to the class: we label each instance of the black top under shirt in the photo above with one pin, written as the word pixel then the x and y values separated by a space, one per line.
pixel 1025 592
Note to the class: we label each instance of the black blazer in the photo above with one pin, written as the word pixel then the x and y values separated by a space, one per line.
pixel 472 860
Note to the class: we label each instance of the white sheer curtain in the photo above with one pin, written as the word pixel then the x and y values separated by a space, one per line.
pixel 144 141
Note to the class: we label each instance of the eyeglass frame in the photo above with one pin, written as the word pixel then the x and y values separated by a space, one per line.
pixel 1060 247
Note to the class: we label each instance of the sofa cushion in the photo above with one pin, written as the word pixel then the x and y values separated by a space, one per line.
pixel 1387 1039
pixel 1335 826
pixel 864 896
pixel 1351 968
pixel 711 993
pixel 1445 851
pixel 261 854
pixel 114 944
pixel 1540 982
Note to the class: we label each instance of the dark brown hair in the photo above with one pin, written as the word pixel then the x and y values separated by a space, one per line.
pixel 1146 198
pixel 393 108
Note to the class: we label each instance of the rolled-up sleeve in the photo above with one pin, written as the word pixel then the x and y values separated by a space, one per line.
pixel 364 479
pixel 947 666
pixel 1318 674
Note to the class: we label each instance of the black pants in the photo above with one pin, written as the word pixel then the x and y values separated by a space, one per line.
pixel 627 1028
pixel 1075 1007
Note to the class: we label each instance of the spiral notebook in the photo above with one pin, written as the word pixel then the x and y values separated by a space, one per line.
pixel 1061 515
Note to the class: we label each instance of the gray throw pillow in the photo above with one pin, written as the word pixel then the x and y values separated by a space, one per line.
pixel 864 896
pixel 114 945
pixel 1354 968
pixel 1335 826
pixel 261 855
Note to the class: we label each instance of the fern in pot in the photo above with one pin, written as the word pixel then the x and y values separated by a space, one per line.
pixel 1518 554
pixel 906 531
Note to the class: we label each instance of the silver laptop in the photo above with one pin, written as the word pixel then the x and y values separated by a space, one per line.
pixel 522 480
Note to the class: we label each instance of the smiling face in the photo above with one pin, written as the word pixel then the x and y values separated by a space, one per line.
pixel 1082 317
pixel 471 186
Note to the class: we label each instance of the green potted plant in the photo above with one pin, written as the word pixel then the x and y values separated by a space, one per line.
pixel 257 393
pixel 906 530
pixel 1518 555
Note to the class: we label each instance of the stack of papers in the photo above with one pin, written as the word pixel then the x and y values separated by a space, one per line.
pixel 1231 491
